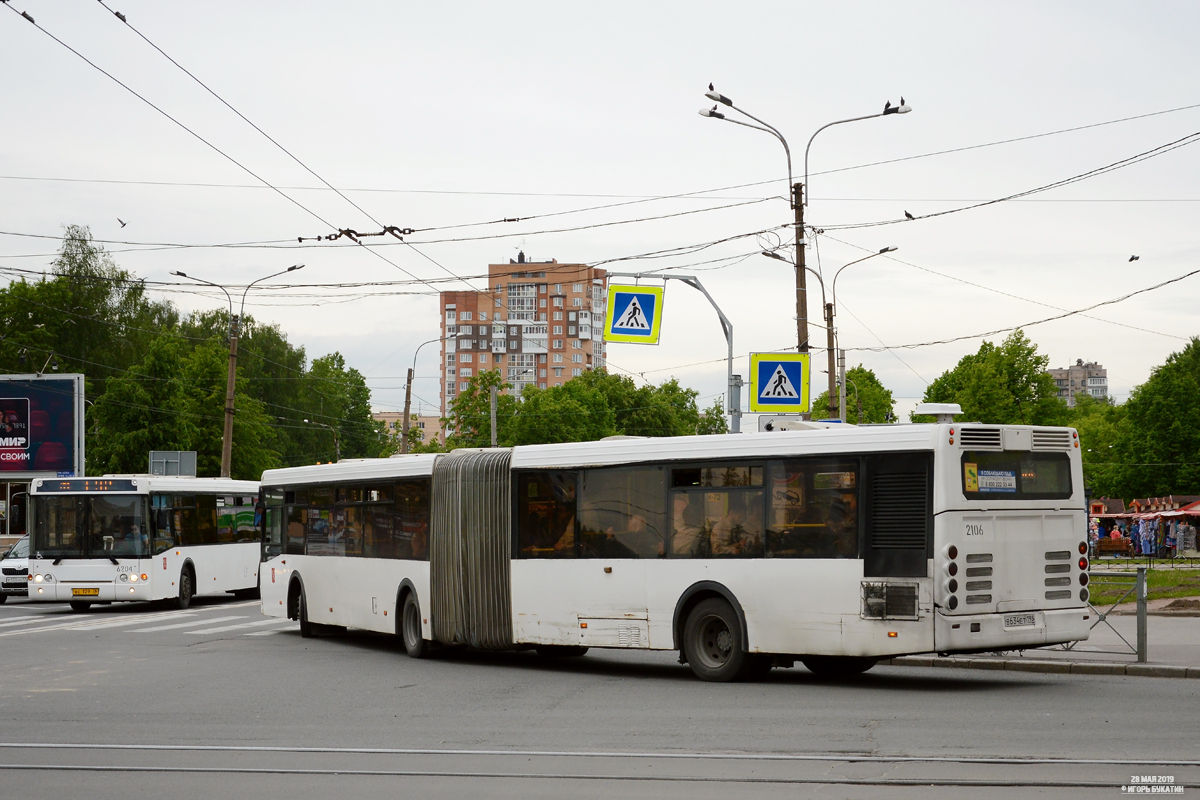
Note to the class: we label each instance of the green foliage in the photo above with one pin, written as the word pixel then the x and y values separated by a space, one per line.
pixel 1005 385
pixel 158 381
pixel 587 408
pixel 1098 422
pixel 1156 443
pixel 875 402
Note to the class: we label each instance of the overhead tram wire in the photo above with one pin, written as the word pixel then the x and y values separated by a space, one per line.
pixel 1129 161
pixel 1064 315
pixel 998 291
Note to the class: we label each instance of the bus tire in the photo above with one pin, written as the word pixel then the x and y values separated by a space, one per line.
pixel 187 588
pixel 79 605
pixel 837 666
pixel 307 629
pixel 410 628
pixel 712 641
pixel 553 651
pixel 3 597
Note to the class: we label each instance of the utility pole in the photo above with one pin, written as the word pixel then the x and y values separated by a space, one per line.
pixel 831 351
pixel 801 281
pixel 227 438
pixel 407 407
pixel 493 414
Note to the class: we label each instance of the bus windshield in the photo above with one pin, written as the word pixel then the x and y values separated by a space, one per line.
pixel 90 526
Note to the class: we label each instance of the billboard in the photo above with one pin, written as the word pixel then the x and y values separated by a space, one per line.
pixel 41 426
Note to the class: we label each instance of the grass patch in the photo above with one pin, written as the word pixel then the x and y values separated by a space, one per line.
pixel 1159 583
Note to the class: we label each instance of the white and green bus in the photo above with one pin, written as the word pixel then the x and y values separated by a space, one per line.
pixel 142 537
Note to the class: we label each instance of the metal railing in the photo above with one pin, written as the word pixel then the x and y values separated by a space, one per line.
pixel 1136 585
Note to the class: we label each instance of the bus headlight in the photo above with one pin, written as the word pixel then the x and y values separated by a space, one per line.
pixel 48 578
pixel 37 578
pixel 124 577
pixel 133 578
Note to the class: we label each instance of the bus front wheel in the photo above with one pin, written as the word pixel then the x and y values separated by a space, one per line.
pixel 186 589
pixel 306 627
pixel 410 628
pixel 712 642
pixel 79 605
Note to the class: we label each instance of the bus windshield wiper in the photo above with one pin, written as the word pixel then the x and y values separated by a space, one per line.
pixel 78 544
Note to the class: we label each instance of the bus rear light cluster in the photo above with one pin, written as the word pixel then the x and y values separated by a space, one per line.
pixel 1083 579
pixel 1083 595
pixel 951 584
pixel 1083 548
pixel 1083 563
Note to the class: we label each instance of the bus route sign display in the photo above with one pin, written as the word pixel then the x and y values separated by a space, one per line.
pixel 634 314
pixel 779 382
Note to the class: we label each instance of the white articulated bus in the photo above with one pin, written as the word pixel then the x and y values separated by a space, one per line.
pixel 835 546
pixel 142 537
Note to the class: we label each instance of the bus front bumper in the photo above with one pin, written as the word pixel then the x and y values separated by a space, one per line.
pixel 97 592
pixel 1011 630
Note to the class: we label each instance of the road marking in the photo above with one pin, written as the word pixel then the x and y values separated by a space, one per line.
pixel 257 624
pixel 25 621
pixel 118 624
pixel 187 624
pixel 86 624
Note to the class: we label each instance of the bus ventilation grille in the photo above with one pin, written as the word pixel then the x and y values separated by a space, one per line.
pixel 979 437
pixel 899 511
pixel 889 600
pixel 1051 440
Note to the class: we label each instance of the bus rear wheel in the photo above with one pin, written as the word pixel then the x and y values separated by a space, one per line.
pixel 306 627
pixel 79 605
pixel 712 642
pixel 837 666
pixel 410 628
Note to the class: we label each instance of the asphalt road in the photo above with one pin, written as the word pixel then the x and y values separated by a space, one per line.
pixel 131 701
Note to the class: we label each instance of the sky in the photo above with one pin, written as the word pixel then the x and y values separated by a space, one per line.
pixel 446 118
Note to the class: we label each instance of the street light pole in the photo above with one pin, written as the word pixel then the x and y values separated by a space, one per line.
pixel 231 379
pixel 798 200
pixel 337 448
pixel 404 423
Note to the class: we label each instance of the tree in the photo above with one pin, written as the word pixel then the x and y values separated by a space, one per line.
pixel 470 412
pixel 1005 385
pixel 573 412
pixel 1099 423
pixel 875 400
pixel 1157 443
pixel 141 411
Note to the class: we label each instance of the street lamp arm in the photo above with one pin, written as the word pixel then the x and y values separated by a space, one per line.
pixel 242 309
pixel 762 126
pixel 404 422
pixel 817 275
pixel 833 293
pixel 208 283
pixel 810 141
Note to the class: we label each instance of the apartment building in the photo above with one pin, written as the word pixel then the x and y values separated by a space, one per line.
pixel 1080 378
pixel 540 323
pixel 429 426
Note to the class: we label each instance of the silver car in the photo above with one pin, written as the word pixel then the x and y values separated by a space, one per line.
pixel 14 570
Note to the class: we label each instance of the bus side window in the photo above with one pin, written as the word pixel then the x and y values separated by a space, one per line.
pixel 297 517
pixel 546 514
pixel 813 509
pixel 164 532
pixel 621 512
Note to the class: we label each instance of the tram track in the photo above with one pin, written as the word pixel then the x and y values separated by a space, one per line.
pixel 656 768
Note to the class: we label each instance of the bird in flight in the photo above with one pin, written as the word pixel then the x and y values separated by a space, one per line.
pixel 1134 258
pixel 123 223
pixel 908 215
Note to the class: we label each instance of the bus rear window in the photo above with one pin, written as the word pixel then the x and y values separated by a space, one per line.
pixel 1016 476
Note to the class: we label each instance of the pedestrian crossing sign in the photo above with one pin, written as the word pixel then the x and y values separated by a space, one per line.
pixel 634 314
pixel 779 382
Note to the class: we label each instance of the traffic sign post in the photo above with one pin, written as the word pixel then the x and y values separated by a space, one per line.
pixel 779 382
pixel 634 314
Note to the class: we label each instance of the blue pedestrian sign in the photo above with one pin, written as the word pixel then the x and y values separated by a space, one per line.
pixel 634 314
pixel 779 382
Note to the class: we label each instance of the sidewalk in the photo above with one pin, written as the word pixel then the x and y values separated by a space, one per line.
pixel 1172 636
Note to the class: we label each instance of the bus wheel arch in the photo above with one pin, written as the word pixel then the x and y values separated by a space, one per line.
pixel 693 596
pixel 408 621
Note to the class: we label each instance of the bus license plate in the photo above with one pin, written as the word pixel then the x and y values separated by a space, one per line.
pixel 89 592
pixel 1020 620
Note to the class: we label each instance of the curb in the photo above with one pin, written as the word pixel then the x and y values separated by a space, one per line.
pixel 1048 666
